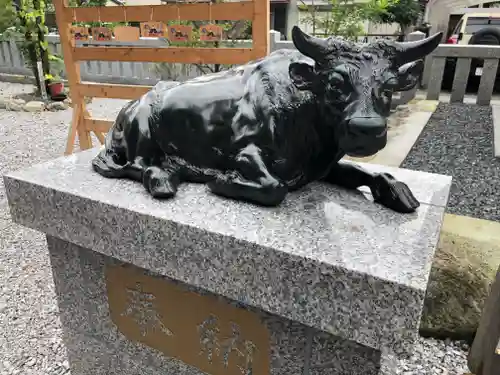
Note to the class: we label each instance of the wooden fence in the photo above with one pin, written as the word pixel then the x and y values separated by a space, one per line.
pixel 82 123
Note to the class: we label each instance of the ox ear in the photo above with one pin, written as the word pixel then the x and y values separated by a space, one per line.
pixel 302 75
pixel 409 75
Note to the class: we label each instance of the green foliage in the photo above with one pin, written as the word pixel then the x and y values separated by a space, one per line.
pixel 88 3
pixel 95 3
pixel 56 66
pixel 345 18
pixel 404 12
pixel 26 28
pixel 7 15
pixel 29 32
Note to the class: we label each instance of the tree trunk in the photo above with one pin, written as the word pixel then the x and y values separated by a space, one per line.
pixel 44 52
pixel 404 31
pixel 33 60
pixel 30 46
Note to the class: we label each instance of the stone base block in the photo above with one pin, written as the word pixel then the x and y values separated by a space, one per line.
pixel 121 319
pixel 325 283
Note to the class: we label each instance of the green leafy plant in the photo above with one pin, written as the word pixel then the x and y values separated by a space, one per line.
pixel 56 68
pixel 52 79
pixel 56 64
pixel 29 33
pixel 405 13
pixel 345 18
pixel 7 15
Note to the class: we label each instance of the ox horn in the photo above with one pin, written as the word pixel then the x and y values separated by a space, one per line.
pixel 412 51
pixel 313 47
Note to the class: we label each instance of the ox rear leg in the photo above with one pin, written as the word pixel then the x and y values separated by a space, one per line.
pixel 251 181
pixel 161 183
pixel 385 189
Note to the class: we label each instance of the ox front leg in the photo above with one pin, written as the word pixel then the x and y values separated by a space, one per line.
pixel 250 181
pixel 385 189
pixel 161 183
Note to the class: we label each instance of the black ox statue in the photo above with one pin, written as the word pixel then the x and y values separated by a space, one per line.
pixel 270 126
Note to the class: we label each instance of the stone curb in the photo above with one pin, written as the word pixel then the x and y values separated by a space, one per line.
pixel 16 78
pixel 19 105
pixel 482 230
pixel 19 78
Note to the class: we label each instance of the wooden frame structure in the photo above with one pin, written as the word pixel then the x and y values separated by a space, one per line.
pixel 82 124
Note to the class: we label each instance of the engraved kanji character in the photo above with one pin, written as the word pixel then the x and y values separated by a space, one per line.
pixel 142 309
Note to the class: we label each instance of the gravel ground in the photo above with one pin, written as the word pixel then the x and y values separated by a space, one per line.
pixel 458 141
pixel 30 332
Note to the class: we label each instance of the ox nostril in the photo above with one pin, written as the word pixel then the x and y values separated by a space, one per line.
pixel 368 127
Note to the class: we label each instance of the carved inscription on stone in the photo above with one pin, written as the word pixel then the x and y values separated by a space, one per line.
pixel 142 309
pixel 199 330
pixel 214 349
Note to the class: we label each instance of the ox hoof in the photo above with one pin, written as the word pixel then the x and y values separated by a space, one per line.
pixel 393 194
pixel 159 183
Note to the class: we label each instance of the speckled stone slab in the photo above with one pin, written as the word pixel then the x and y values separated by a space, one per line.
pixel 327 258
pixel 97 347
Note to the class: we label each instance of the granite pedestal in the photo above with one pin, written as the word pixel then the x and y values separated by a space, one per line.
pixel 327 283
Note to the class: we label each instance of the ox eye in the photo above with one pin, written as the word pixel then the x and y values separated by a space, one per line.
pixel 387 91
pixel 391 83
pixel 389 86
pixel 337 79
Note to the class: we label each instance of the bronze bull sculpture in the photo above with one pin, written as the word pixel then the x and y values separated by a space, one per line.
pixel 270 126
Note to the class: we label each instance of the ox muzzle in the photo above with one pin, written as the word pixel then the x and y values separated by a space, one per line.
pixel 365 136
